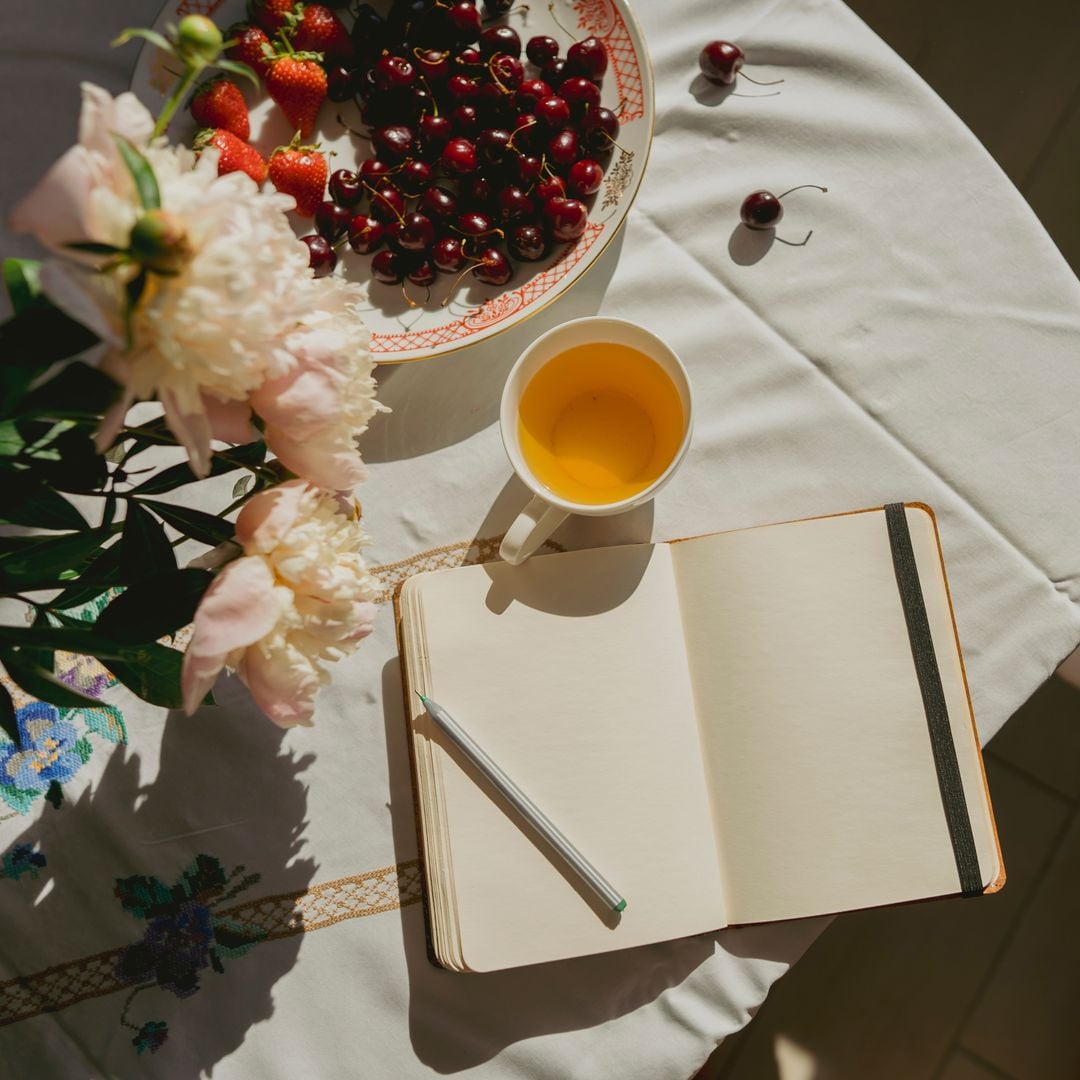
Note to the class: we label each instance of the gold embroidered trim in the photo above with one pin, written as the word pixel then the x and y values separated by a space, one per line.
pixel 283 915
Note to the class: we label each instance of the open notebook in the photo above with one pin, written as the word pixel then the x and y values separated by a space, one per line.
pixel 735 728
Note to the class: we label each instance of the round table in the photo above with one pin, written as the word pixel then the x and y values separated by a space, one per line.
pixel 922 346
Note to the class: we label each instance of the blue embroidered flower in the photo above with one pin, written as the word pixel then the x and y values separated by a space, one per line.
pixel 21 859
pixel 47 754
pixel 174 950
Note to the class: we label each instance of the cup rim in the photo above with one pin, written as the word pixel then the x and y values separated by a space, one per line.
pixel 517 460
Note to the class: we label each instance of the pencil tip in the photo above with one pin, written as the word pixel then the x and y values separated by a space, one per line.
pixel 420 696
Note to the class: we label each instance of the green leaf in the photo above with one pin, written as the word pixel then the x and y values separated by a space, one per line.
pixel 235 938
pixel 22 279
pixel 40 683
pixel 19 800
pixel 92 247
pixel 145 181
pixel 152 36
pixel 106 721
pixel 134 290
pixel 153 674
pixel 78 467
pixel 100 576
pixel 68 639
pixel 55 795
pixel 7 716
pixel 194 523
pixel 44 658
pixel 234 67
pixel 84 748
pixel 11 442
pixel 253 453
pixel 145 549
pixel 77 391
pixel 47 558
pixel 241 486
pixel 28 500
pixel 30 343
pixel 144 897
pixel 156 606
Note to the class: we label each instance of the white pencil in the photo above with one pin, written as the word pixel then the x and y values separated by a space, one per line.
pixel 527 808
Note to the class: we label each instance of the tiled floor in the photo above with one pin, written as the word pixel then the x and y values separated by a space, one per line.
pixel 986 989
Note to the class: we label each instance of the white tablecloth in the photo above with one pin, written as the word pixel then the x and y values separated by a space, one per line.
pixel 923 346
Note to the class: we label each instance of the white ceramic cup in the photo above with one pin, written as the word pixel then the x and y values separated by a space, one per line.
pixel 546 511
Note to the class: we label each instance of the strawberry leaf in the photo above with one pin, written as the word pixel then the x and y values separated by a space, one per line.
pixel 234 67
pixel 145 181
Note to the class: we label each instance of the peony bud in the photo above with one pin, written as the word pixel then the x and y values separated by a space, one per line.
pixel 159 241
pixel 198 38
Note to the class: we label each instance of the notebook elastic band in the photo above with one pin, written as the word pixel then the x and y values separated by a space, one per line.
pixel 937 713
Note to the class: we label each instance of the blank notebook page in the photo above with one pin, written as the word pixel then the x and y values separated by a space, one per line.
pixel 816 745
pixel 571 672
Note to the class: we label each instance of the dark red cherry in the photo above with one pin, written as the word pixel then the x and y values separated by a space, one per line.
pixel 507 71
pixel 514 205
pixel 567 217
pixel 478 190
pixel 493 268
pixel 394 73
pixel 554 72
pixel 542 49
pixel 439 203
pixel 552 111
pixel 434 133
pixel 321 256
pixel 530 92
pixel 415 232
pixel 563 147
pixel 433 64
pixel 548 188
pixel 393 142
pixel 388 267
pixel 763 209
pixel 387 203
pixel 340 83
pixel 468 58
pixel 448 254
pixel 345 187
pixel 332 220
pixel 589 56
pixel 365 234
pixel 579 93
pixel 527 243
pixel 465 20
pixel 720 61
pixel 493 144
pixel 423 274
pixel 368 31
pixel 465 119
pixel 474 223
pixel 499 39
pixel 495 8
pixel 600 127
pixel 459 156
pixel 372 170
pixel 527 168
pixel 414 177
pixel 461 88
pixel 584 178
pixel 527 133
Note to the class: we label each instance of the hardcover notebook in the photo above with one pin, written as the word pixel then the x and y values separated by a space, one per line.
pixel 754 725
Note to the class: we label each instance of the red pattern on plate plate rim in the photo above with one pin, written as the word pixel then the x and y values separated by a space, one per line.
pixel 599 17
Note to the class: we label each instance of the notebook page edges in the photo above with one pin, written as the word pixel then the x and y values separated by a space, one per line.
pixel 820 765
pixel 570 671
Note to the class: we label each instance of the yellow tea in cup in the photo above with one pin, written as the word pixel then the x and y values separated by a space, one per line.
pixel 600 422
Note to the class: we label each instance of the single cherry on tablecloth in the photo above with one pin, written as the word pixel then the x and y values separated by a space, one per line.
pixel 721 61
pixel 763 209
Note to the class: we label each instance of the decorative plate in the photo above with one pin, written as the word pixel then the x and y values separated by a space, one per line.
pixel 475 311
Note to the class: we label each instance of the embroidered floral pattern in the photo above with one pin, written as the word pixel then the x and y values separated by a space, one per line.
pixel 184 936
pixel 20 860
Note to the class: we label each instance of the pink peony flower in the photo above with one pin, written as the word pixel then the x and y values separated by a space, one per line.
pixel 299 596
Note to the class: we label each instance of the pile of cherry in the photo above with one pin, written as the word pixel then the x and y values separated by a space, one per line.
pixel 477 158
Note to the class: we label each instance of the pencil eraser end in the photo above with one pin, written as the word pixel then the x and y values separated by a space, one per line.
pixel 621 905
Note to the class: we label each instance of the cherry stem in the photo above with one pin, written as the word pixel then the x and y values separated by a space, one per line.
pixel 623 148
pixel 377 195
pixel 495 78
pixel 408 299
pixel 818 187
pixel 457 281
pixel 792 243
pixel 523 127
pixel 551 12
pixel 758 82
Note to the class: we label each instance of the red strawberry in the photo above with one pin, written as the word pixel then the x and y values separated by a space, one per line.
pixel 271 15
pixel 236 155
pixel 298 84
pixel 219 104
pixel 248 46
pixel 318 29
pixel 299 171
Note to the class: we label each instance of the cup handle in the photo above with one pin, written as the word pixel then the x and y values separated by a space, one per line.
pixel 530 529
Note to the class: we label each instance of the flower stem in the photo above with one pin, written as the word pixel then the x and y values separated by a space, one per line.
pixel 191 73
